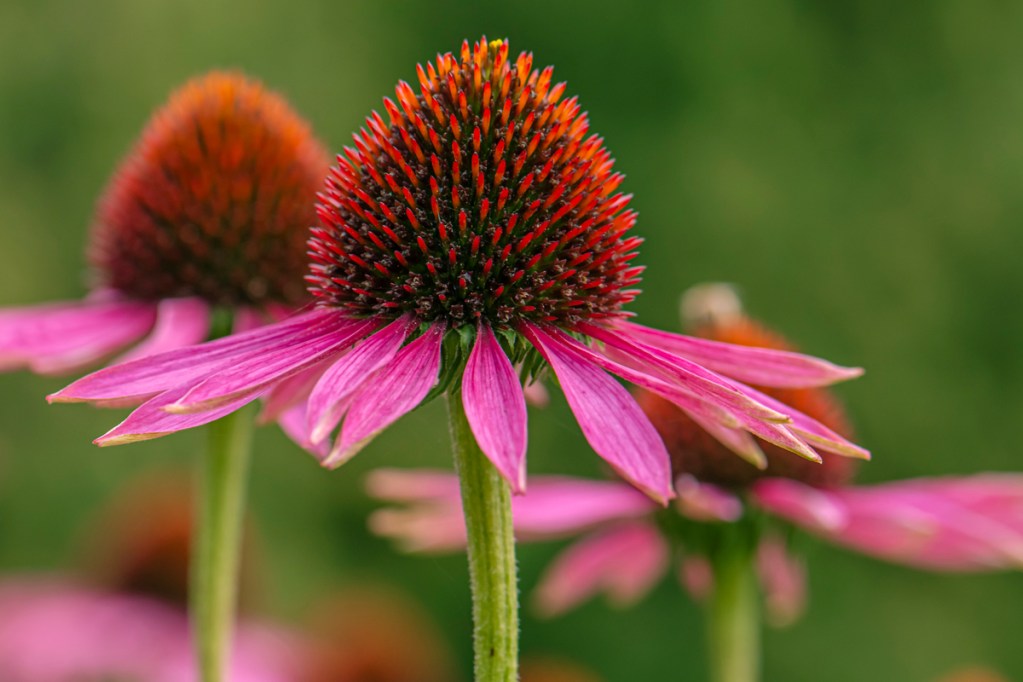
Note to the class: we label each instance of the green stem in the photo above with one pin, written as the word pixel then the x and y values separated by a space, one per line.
pixel 735 615
pixel 215 560
pixel 486 501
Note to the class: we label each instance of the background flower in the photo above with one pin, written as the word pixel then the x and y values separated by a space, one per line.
pixel 208 210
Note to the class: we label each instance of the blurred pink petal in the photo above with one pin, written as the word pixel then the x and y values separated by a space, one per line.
pixel 696 576
pixel 180 322
pixel 536 394
pixel 56 632
pixel 624 562
pixel 706 501
pixel 389 394
pixel 609 417
pixel 495 408
pixel 783 581
pixel 749 364
pixel 62 337
pixel 928 526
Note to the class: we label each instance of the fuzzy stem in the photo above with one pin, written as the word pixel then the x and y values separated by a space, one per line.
pixel 215 560
pixel 734 626
pixel 486 501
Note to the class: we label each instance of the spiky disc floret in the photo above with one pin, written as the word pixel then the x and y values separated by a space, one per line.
pixel 481 199
pixel 215 200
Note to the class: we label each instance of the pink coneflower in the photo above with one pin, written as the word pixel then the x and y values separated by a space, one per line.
pixel 209 210
pixel 718 517
pixel 478 229
pixel 125 616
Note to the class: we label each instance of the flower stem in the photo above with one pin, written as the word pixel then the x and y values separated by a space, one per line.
pixel 215 560
pixel 486 501
pixel 734 627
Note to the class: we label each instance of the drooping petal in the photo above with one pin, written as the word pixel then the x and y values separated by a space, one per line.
pixel 273 363
pixel 690 376
pixel 144 378
pixel 783 581
pixel 393 391
pixel 420 485
pixel 293 423
pixel 152 420
pixel 331 395
pixel 609 417
pixel 495 408
pixel 906 524
pixel 62 337
pixel 180 322
pixel 749 364
pixel 625 562
pixel 705 501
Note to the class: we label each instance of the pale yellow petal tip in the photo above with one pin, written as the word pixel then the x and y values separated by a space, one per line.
pixel 124 439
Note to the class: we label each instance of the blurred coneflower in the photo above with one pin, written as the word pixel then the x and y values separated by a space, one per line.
pixel 210 210
pixel 202 230
pixel 478 229
pixel 720 524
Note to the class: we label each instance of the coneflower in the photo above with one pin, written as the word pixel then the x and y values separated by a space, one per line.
pixel 727 525
pixel 476 229
pixel 202 230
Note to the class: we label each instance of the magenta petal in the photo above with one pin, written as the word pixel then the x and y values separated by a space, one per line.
pixel 495 407
pixel 904 523
pixel 706 501
pixel 293 423
pixel 152 420
pixel 557 506
pixel 609 417
pixel 392 392
pixel 420 485
pixel 783 580
pixel 625 562
pixel 62 337
pixel 749 364
pixel 688 375
pixel 180 322
pixel 330 397
pixel 144 378
pixel 276 361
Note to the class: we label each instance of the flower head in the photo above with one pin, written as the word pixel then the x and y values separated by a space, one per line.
pixel 477 231
pixel 210 209
pixel 482 200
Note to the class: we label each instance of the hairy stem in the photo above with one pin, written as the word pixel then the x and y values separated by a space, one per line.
pixel 486 501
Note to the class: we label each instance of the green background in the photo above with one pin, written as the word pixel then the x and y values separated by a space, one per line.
pixel 854 167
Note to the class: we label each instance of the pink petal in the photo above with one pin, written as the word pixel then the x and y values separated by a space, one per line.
pixel 331 395
pixel 687 375
pixel 420 485
pixel 609 417
pixel 144 378
pixel 705 501
pixel 62 337
pixel 557 506
pixel 625 562
pixel 52 630
pixel 152 420
pixel 495 407
pixel 293 422
pixel 536 394
pixel 288 393
pixel 392 392
pixel 783 580
pixel 696 576
pixel 904 523
pixel 275 362
pixel 180 322
pixel 749 364
pixel 424 529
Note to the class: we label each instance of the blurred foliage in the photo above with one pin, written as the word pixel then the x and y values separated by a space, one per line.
pixel 854 167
